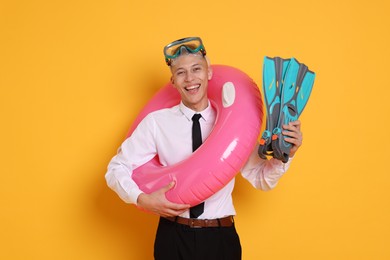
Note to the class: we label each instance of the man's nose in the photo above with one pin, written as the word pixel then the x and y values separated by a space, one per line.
pixel 189 76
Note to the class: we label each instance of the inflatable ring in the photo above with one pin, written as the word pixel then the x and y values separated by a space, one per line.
pixel 239 108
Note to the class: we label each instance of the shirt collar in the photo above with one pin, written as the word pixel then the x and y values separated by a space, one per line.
pixel 188 113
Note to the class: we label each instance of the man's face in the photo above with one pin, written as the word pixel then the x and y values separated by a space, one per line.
pixel 190 76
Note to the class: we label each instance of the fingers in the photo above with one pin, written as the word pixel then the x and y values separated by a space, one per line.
pixel 293 129
pixel 293 141
pixel 168 187
pixel 292 134
pixel 157 203
pixel 176 206
pixel 170 209
pixel 173 210
pixel 293 126
pixel 172 205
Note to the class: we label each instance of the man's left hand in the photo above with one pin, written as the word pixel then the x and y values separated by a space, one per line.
pixel 292 134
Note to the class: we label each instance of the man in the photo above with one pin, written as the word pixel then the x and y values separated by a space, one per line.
pixel 167 132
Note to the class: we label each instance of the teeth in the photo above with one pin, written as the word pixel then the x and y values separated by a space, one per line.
pixel 192 87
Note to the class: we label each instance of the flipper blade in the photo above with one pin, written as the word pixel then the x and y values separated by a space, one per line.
pixel 297 87
pixel 274 70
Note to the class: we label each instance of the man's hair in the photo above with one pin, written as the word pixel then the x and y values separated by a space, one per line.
pixel 184 51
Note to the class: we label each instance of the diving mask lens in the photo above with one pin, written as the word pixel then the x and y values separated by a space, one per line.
pixel 191 44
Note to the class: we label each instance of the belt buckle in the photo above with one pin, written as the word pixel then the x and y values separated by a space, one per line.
pixel 192 223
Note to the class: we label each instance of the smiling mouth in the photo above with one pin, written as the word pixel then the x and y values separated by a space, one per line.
pixel 192 88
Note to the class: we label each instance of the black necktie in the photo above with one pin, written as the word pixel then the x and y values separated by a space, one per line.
pixel 197 210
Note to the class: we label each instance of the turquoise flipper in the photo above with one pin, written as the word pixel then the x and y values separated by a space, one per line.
pixel 298 83
pixel 274 70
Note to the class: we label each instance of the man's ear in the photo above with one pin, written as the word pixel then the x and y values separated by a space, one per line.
pixel 210 73
pixel 209 68
pixel 173 82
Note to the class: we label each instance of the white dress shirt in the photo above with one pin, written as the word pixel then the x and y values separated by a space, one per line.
pixel 167 132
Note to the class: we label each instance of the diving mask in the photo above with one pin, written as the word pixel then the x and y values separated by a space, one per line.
pixel 190 44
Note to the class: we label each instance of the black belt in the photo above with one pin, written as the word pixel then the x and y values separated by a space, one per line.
pixel 200 223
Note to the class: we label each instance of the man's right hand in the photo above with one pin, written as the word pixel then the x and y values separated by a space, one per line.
pixel 157 203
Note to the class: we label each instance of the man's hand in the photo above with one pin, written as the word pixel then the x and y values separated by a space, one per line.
pixel 293 135
pixel 157 203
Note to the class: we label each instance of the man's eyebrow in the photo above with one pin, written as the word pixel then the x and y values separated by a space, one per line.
pixel 191 66
pixel 179 68
pixel 196 64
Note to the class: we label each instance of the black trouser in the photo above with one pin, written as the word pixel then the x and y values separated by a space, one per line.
pixel 176 241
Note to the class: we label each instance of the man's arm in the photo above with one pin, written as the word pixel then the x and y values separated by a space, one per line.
pixel 136 150
pixel 119 179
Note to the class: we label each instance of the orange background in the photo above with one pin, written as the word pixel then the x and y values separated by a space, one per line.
pixel 74 75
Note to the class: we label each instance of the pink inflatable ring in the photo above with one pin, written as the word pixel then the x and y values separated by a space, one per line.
pixel 238 104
